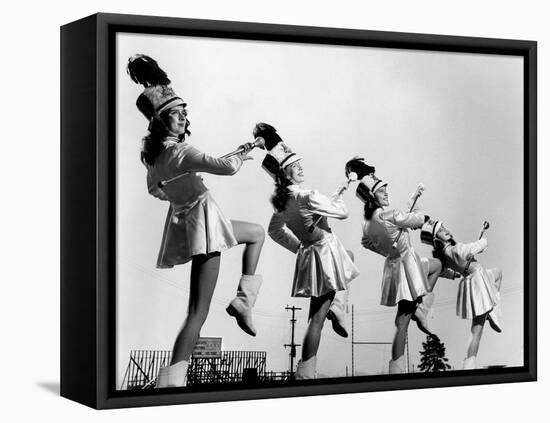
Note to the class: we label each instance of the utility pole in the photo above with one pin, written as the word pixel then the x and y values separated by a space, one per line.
pixel 352 339
pixel 292 345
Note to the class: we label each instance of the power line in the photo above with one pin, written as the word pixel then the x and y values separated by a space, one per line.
pixel 366 312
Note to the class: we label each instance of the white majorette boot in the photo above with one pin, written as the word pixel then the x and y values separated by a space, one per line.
pixel 337 311
pixel 397 365
pixel 173 376
pixel 241 306
pixel 306 369
pixel 422 313
pixel 469 363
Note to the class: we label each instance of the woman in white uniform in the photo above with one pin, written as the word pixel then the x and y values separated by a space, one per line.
pixel 195 231
pixel 277 150
pixel 323 266
pixel 478 296
pixel 407 279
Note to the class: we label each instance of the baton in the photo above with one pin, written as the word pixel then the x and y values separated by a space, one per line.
pixel 416 196
pixel 260 142
pixel 484 228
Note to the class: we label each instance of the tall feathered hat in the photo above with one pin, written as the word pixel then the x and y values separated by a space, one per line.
pixel 268 133
pixel 362 192
pixel 360 167
pixel 158 95
pixel 279 155
pixel 373 183
pixel 368 187
pixel 429 231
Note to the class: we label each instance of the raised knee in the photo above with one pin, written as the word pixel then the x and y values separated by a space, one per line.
pixel 258 233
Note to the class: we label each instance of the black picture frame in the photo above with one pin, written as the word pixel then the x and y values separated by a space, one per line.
pixel 88 207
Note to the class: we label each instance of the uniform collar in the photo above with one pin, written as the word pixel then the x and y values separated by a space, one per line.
pixel 170 140
pixel 294 188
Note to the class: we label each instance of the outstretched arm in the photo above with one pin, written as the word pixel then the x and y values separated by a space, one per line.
pixel 190 159
pixel 329 207
pixel 473 248
pixel 279 233
pixel 406 220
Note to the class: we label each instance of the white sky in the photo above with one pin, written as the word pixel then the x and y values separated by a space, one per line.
pixel 452 121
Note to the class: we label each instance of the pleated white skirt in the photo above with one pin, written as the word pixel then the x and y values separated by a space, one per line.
pixel 478 293
pixel 404 278
pixel 322 267
pixel 193 229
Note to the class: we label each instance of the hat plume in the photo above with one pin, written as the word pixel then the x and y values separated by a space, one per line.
pixel 268 133
pixel 145 71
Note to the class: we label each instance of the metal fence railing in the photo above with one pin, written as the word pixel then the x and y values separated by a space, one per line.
pixel 231 367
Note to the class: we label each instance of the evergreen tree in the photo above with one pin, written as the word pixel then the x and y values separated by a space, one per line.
pixel 433 356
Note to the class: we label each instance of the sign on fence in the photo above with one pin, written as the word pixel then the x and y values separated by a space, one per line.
pixel 208 348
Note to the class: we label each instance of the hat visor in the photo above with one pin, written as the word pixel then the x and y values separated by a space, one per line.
pixel 379 185
pixel 291 160
pixel 170 104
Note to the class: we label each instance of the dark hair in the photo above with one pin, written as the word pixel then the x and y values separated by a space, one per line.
pixel 371 204
pixel 152 142
pixel 282 193
pixel 438 251
pixel 367 197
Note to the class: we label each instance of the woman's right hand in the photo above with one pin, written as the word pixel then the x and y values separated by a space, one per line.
pixel 247 148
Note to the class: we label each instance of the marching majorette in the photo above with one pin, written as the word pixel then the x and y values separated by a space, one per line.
pixel 195 228
pixel 323 266
pixel 478 296
pixel 407 279
pixel 277 150
pixel 427 236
